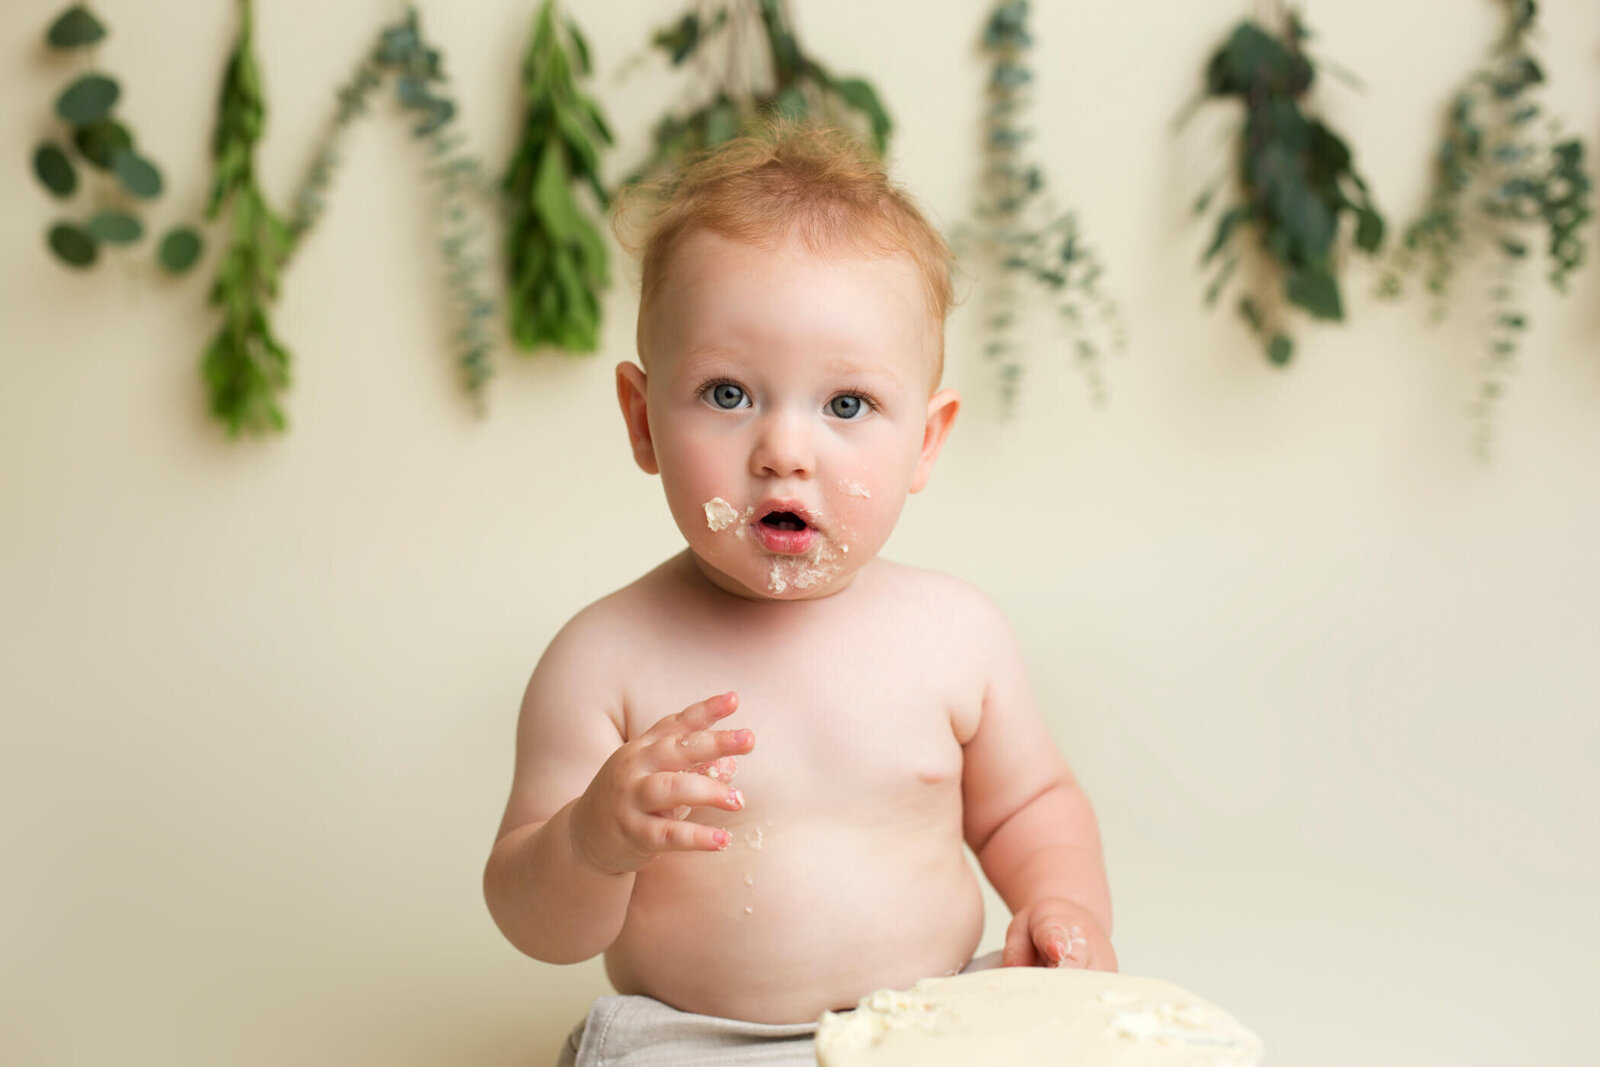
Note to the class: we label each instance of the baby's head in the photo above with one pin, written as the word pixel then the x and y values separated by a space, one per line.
pixel 791 336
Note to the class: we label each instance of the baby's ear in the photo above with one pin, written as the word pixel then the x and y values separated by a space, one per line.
pixel 942 408
pixel 631 396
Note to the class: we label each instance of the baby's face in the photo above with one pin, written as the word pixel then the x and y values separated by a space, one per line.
pixel 787 408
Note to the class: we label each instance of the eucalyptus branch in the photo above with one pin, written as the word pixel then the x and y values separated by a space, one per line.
pixel 797 84
pixel 401 51
pixel 106 145
pixel 1503 175
pixel 1022 236
pixel 245 366
pixel 1297 180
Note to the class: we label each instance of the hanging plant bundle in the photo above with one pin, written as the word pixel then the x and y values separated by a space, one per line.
pixel 418 72
pixel 121 177
pixel 245 366
pixel 794 86
pixel 1298 183
pixel 555 255
pixel 1504 179
pixel 1023 238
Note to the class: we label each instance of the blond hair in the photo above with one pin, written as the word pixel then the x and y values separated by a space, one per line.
pixel 814 182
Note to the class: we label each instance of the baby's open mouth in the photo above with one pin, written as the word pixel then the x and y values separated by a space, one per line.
pixel 783 520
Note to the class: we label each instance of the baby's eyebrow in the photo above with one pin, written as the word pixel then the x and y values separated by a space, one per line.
pixel 848 368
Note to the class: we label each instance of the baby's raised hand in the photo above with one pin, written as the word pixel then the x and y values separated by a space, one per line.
pixel 1057 933
pixel 625 818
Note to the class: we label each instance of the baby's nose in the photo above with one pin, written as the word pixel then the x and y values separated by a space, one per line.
pixel 784 448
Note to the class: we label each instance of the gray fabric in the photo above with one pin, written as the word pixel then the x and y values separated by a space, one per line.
pixel 634 1031
pixel 641 1032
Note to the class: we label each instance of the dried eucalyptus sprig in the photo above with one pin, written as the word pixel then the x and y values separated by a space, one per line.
pixel 421 84
pixel 1021 235
pixel 104 144
pixel 419 75
pixel 245 366
pixel 1503 177
pixel 555 255
pixel 1297 180
pixel 794 85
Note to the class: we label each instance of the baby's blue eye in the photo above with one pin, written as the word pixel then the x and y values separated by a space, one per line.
pixel 727 396
pixel 846 406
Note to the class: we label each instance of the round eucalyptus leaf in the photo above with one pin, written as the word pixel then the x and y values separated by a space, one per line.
pixel 89 99
pixel 55 170
pixel 72 245
pixel 75 28
pixel 179 249
pixel 115 228
pixel 101 141
pixel 139 176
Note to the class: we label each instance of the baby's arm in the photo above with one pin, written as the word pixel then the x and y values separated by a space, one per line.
pixel 1032 827
pixel 589 808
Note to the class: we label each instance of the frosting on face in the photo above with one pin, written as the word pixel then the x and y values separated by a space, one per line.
pixel 822 562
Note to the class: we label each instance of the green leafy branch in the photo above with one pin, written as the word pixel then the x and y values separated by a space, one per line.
pixel 795 85
pixel 1021 232
pixel 1297 179
pixel 402 51
pixel 556 258
pixel 104 144
pixel 1502 178
pixel 245 366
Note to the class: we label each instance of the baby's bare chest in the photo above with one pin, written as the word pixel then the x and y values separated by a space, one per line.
pixel 840 720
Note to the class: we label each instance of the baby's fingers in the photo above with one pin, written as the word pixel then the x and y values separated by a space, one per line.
pixel 695 716
pixel 671 792
pixel 671 835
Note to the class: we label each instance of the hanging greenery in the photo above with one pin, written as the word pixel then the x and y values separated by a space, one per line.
pixel 402 51
pixel 794 85
pixel 104 144
pixel 245 366
pixel 1022 236
pixel 1503 178
pixel 1297 181
pixel 555 255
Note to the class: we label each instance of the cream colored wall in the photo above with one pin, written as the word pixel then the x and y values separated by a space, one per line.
pixel 1330 681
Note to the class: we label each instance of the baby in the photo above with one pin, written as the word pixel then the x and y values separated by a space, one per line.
pixel 747 777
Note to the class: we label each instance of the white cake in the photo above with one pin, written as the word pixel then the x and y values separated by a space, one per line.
pixel 1036 1017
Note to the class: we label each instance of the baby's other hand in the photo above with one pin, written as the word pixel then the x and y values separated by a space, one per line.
pixel 1057 933
pixel 625 818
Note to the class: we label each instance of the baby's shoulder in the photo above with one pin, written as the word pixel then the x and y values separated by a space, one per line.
pixel 613 622
pixel 943 600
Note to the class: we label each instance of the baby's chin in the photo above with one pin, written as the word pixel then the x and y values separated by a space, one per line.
pixel 782 578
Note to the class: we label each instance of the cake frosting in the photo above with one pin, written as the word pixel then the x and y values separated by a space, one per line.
pixel 1035 1017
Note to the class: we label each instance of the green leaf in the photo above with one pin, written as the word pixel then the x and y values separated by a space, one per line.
pixel 1280 349
pixel 722 122
pixel 180 248
pixel 864 98
pixel 55 170
pixel 681 40
pixel 74 28
pixel 115 228
pixel 551 197
pixel 89 99
pixel 791 103
pixel 101 141
pixel 1225 226
pixel 1315 290
pixel 580 48
pixel 138 175
pixel 1369 230
pixel 72 245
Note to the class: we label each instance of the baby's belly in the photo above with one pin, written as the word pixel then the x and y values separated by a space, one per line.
pixel 792 920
